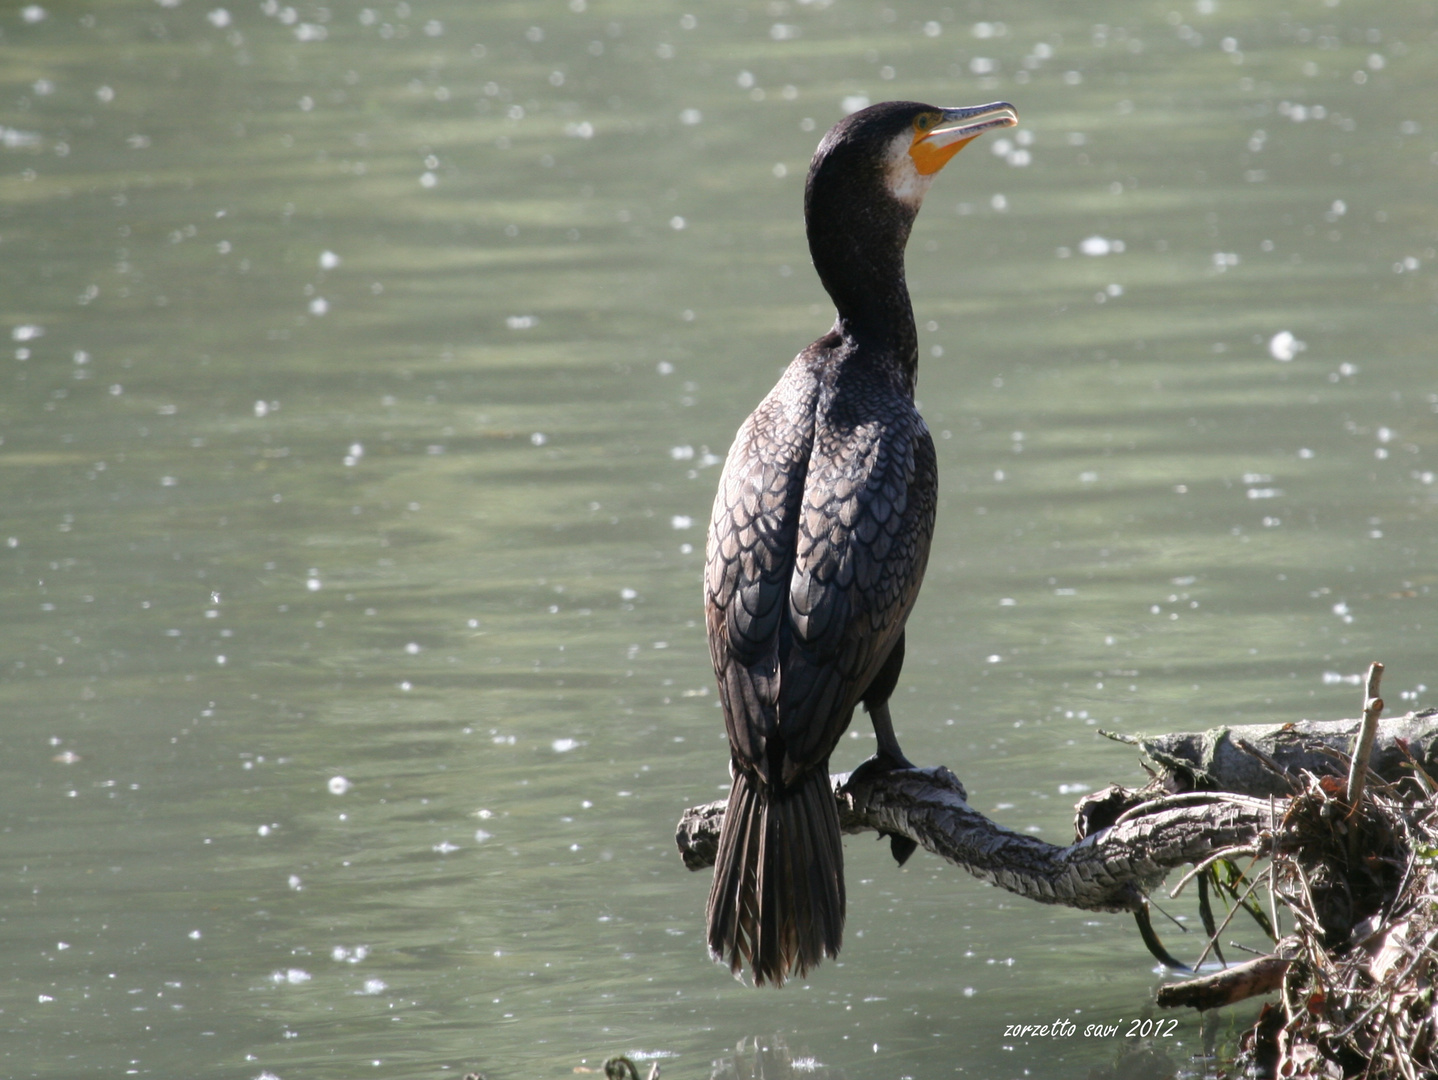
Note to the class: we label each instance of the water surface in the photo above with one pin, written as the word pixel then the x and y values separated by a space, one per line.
pixel 368 371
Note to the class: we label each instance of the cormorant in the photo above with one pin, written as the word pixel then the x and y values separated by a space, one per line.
pixel 818 543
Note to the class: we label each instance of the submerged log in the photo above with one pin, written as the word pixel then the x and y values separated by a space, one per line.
pixel 1261 976
pixel 1223 759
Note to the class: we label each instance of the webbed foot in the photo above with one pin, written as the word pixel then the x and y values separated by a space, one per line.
pixel 900 846
pixel 880 763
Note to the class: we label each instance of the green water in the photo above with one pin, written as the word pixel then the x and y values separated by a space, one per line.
pixel 365 377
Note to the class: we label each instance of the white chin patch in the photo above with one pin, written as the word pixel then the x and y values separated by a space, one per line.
pixel 904 181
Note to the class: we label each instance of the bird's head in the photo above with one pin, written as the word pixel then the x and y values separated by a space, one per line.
pixel 867 181
pixel 905 142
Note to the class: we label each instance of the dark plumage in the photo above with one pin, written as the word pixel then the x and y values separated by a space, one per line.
pixel 818 543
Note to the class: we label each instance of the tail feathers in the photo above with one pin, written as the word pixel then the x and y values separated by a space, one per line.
pixel 777 902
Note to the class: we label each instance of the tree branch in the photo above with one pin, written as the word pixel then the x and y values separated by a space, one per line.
pixel 1110 871
pixel 1131 848
pixel 1367 732
pixel 1260 976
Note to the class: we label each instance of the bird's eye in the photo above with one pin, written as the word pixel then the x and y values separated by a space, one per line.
pixel 924 122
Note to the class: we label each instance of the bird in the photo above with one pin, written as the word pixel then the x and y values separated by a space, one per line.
pixel 818 542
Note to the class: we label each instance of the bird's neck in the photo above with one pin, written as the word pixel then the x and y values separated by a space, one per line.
pixel 882 328
pixel 865 279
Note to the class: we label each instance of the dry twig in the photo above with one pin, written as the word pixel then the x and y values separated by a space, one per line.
pixel 1363 746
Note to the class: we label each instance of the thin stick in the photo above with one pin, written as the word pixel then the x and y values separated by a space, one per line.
pixel 1244 948
pixel 1229 917
pixel 1188 798
pixel 1363 748
pixel 1268 763
pixel 1226 853
pixel 1273 878
pixel 1164 802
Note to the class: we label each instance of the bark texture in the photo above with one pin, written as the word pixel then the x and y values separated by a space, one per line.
pixel 1215 760
pixel 1260 976
pixel 1109 871
pixel 1130 851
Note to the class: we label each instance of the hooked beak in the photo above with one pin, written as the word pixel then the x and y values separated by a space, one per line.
pixel 932 149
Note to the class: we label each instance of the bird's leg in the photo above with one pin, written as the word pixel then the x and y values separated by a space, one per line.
pixel 888 759
pixel 889 753
pixel 876 702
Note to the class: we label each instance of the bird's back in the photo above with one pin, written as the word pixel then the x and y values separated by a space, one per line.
pixel 817 546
